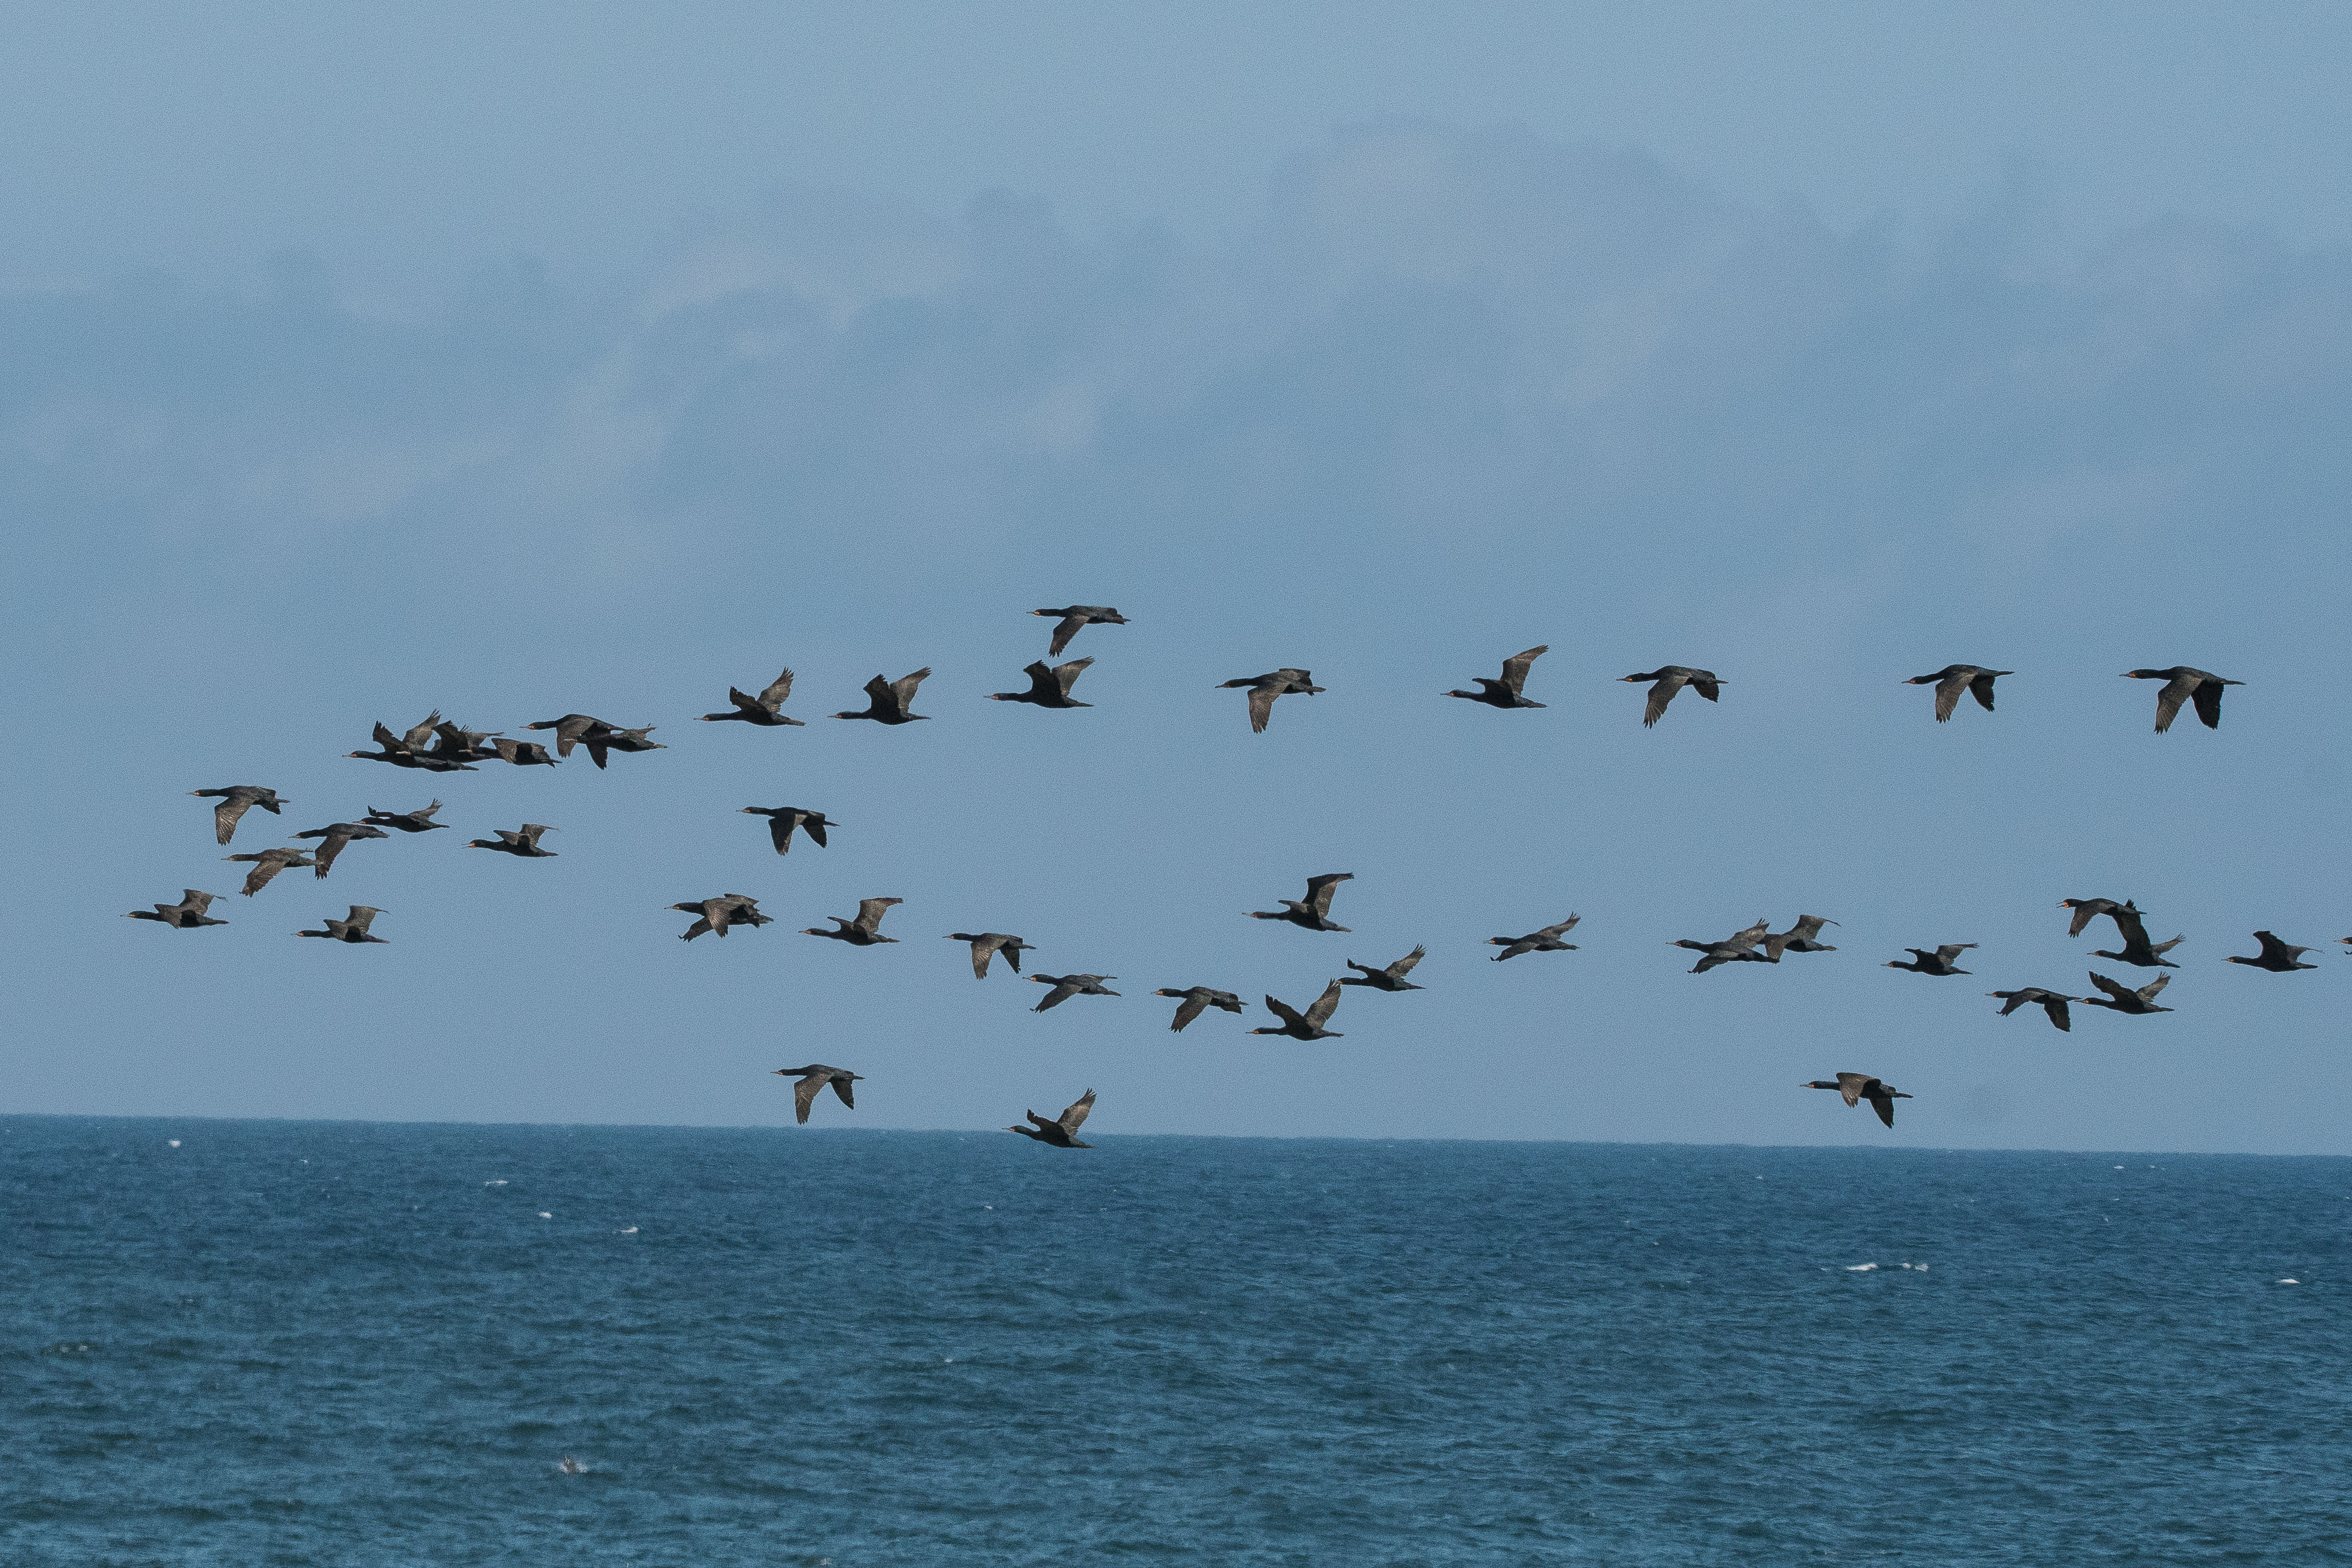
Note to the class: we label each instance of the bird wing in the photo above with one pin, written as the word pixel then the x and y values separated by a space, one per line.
pixel 880 697
pixel 2113 987
pixel 1064 631
pixel 1854 1085
pixel 1318 890
pixel 746 702
pixel 1982 689
pixel 224 818
pixel 2207 696
pixel 598 742
pixel 2148 993
pixel 780 833
pixel 1950 950
pixel 1661 691
pixel 1947 696
pixel 1075 1116
pixel 982 950
pixel 2273 950
pixel 1067 675
pixel 2168 701
pixel 531 832
pixel 1404 966
pixel 1882 1100
pixel 332 845
pixel 2012 1001
pixel 814 826
pixel 903 688
pixel 1704 683
pixel 1260 706
pixel 841 1088
pixel 1041 684
pixel 1324 1006
pixel 1194 1005
pixel 386 739
pixel 1063 989
pixel 1286 1012
pixel 721 913
pixel 196 902
pixel 361 917
pixel 1555 932
pixel 1515 668
pixel 2059 1014
pixel 419 734
pixel 870 912
pixel 777 690
pixel 2085 912
pixel 2127 922
pixel 803 1090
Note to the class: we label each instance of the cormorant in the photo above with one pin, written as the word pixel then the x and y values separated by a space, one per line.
pixel 1859 1086
pixel 1068 985
pixel 268 863
pixel 860 932
pixel 1737 947
pixel 570 730
pixel 523 753
pixel 524 844
pixel 1391 979
pixel 2137 950
pixel 717 914
pixel 1073 616
pixel 234 802
pixel 766 710
pixel 407 822
pixel 814 1078
pixel 1263 689
pixel 1195 1000
pixel 2122 999
pixel 889 702
pixel 2087 910
pixel 1798 939
pixel 1309 1024
pixel 2051 1002
pixel 1671 679
pixel 1505 693
pixel 1952 679
pixel 2277 957
pixel 1938 962
pixel 1312 913
pixel 334 836
pixel 189 912
pixel 1546 940
pixel 987 945
pixel 1049 685
pixel 1062 1132
pixel 2182 685
pixel 782 820
pixel 600 742
pixel 352 929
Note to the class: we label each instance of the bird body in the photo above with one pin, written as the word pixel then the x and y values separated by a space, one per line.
pixel 814 1078
pixel 782 820
pixel 1666 681
pixel 862 931
pixel 1195 1000
pixel 1308 1025
pixel 1938 962
pixel 717 915
pixel 2277 957
pixel 1068 985
pixel 189 912
pixel 407 822
pixel 1391 979
pixel 1062 1132
pixel 1546 940
pixel 1798 939
pixel 2138 949
pixel 234 802
pixel 1049 685
pixel 2122 998
pixel 333 837
pixel 1860 1086
pixel 1506 693
pixel 570 730
pixel 987 945
pixel 891 702
pixel 268 863
pixel 2050 1002
pixel 765 710
pixel 523 753
pixel 1952 679
pixel 2089 909
pixel 409 750
pixel 2183 684
pixel 1737 947
pixel 1312 913
pixel 602 742
pixel 1265 688
pixel 1073 617
pixel 352 929
pixel 522 843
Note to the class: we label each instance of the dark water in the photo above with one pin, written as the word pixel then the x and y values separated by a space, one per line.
pixel 332 1342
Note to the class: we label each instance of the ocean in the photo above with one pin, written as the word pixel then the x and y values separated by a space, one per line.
pixel 282 1343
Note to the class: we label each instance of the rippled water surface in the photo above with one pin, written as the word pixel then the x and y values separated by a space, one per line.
pixel 334 1343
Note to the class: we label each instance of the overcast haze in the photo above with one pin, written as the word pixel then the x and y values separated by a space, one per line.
pixel 364 364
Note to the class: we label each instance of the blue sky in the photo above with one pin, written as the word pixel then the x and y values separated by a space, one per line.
pixel 365 365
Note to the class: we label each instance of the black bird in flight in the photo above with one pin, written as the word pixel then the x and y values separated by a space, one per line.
pixel 1670 679
pixel 782 820
pixel 1952 679
pixel 1391 979
pixel 891 702
pixel 1860 1086
pixel 717 915
pixel 1196 1000
pixel 1314 912
pixel 2182 685
pixel 1049 685
pixel 987 945
pixel 1062 1132
pixel 1073 616
pixel 766 710
pixel 2051 1002
pixel 1068 985
pixel 352 929
pixel 814 1077
pixel 268 863
pixel 522 843
pixel 1938 962
pixel 419 821
pixel 333 837
pixel 1308 1025
pixel 234 802
pixel 2277 957
pixel 1505 693
pixel 2121 998
pixel 1546 940
pixel 189 912
pixel 861 932
pixel 1265 688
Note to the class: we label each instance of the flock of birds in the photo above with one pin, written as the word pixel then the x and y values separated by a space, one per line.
pixel 438 746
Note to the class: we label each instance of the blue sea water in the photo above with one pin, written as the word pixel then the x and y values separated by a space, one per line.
pixel 344 1342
